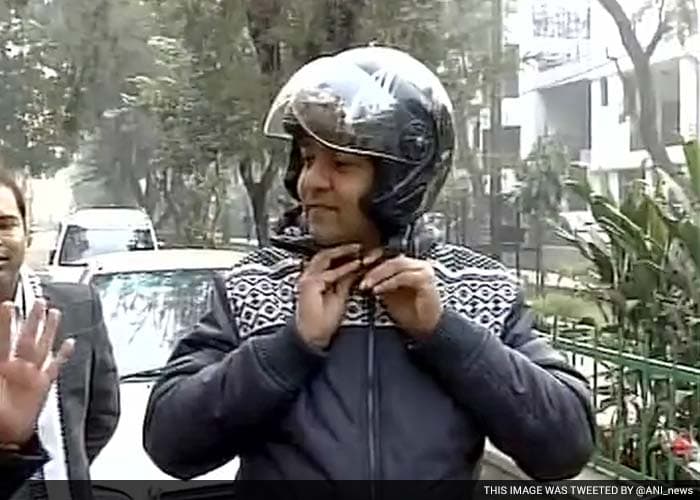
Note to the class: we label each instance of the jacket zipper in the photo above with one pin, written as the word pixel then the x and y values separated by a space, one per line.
pixel 44 493
pixel 371 410
pixel 62 424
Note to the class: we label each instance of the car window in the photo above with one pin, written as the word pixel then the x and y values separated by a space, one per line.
pixel 146 313
pixel 80 243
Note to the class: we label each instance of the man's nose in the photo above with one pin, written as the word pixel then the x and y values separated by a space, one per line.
pixel 318 173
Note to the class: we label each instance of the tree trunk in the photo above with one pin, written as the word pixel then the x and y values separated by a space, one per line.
pixel 172 207
pixel 476 175
pixel 259 204
pixel 261 15
pixel 257 193
pixel 648 118
pixel 640 57
pixel 136 193
pixel 162 218
pixel 539 275
pixel 338 20
pixel 213 220
pixel 151 196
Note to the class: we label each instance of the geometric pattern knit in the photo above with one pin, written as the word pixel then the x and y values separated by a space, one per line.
pixel 261 290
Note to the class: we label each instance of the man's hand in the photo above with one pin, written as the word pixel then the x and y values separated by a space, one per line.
pixel 25 378
pixel 323 294
pixel 407 288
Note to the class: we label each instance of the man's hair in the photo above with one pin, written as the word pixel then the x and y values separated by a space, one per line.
pixel 8 180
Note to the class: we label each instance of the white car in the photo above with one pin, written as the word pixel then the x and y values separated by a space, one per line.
pixel 93 231
pixel 149 300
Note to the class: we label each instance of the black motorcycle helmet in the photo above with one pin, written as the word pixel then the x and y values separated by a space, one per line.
pixel 381 103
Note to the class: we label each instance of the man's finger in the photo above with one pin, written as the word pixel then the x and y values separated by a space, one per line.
pixel 333 275
pixel 26 344
pixel 372 257
pixel 6 309
pixel 47 336
pixel 387 269
pixel 407 279
pixel 345 284
pixel 63 354
pixel 322 260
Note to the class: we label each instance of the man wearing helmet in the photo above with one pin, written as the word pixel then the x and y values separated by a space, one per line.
pixel 357 348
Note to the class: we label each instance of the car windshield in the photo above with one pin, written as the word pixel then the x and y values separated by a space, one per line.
pixel 81 243
pixel 147 312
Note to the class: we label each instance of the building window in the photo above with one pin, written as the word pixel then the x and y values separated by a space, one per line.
pixel 563 19
pixel 604 91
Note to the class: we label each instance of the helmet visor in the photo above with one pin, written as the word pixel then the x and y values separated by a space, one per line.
pixel 349 109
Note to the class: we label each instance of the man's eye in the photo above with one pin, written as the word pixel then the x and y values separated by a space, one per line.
pixel 344 164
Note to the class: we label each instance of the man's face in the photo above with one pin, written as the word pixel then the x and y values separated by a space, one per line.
pixel 330 187
pixel 13 242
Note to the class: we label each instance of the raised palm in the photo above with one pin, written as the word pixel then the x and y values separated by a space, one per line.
pixel 26 375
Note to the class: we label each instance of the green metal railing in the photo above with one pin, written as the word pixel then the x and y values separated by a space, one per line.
pixel 642 405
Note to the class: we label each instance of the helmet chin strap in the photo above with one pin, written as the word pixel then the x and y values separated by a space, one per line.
pixel 412 242
pixel 402 242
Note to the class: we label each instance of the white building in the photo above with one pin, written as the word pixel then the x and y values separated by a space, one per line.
pixel 570 87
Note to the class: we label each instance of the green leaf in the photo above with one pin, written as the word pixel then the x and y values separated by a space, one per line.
pixel 581 188
pixel 692 158
pixel 676 190
pixel 656 223
pixel 619 226
pixel 603 262
pixel 631 304
pixel 646 276
pixel 689 234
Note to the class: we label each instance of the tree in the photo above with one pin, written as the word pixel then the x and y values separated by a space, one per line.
pixel 243 52
pixel 64 66
pixel 681 16
pixel 106 47
pixel 450 37
pixel 542 176
pixel 300 32
pixel 196 136
pixel 160 104
pixel 31 114
pixel 164 101
pixel 647 283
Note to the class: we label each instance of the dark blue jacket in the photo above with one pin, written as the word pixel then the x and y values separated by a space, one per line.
pixel 375 405
pixel 16 467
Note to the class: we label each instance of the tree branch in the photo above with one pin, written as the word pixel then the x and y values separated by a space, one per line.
pixel 244 168
pixel 658 36
pixel 261 15
pixel 629 90
pixel 269 173
pixel 661 29
pixel 624 28
pixel 615 60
